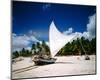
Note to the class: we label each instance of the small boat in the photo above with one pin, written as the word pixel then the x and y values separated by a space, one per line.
pixel 57 40
pixel 41 61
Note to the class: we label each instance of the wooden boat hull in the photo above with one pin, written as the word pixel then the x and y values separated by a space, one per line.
pixel 44 61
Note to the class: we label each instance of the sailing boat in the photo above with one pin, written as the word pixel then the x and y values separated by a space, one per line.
pixel 57 40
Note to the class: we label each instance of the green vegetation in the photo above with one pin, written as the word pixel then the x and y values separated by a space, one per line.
pixel 79 47
pixel 23 52
pixel 35 50
pixel 76 47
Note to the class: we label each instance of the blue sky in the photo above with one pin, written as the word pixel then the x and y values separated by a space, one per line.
pixel 32 18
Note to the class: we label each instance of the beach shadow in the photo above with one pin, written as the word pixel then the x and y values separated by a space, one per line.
pixel 55 63
pixel 63 63
pixel 25 69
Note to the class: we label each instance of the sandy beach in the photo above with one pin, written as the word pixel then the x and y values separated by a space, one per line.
pixel 65 65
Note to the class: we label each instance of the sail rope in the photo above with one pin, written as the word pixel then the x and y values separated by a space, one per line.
pixel 82 47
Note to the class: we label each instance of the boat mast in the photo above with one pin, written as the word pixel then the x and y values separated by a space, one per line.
pixel 82 47
pixel 86 56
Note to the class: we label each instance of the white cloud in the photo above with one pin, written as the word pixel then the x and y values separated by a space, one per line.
pixel 91 26
pixel 28 48
pixel 47 43
pixel 46 6
pixel 31 32
pixel 37 34
pixel 22 41
pixel 90 29
pixel 69 31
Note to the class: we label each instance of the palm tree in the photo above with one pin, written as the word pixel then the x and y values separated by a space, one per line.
pixel 15 54
pixel 33 49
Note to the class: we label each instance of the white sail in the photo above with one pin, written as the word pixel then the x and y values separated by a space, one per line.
pixel 57 40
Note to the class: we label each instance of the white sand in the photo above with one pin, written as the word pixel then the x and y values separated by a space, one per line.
pixel 70 65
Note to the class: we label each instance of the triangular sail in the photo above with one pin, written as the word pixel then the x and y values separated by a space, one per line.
pixel 57 40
